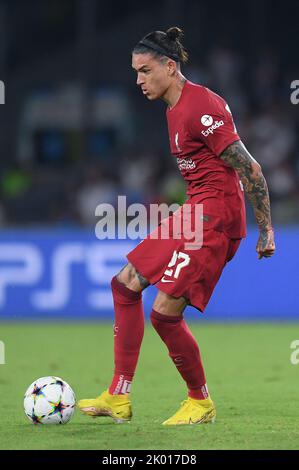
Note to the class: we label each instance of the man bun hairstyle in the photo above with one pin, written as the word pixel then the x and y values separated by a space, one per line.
pixel 174 33
pixel 164 43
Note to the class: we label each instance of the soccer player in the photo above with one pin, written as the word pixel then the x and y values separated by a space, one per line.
pixel 217 168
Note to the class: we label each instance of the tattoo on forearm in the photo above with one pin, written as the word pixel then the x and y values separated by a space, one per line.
pixel 253 181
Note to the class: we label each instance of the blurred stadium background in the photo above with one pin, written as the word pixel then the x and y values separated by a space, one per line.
pixel 76 131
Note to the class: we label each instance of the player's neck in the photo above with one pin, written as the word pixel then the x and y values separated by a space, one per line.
pixel 173 93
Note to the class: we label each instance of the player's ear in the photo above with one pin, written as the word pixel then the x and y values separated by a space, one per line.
pixel 171 67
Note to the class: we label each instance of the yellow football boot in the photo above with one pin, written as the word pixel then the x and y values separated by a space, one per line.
pixel 193 412
pixel 118 407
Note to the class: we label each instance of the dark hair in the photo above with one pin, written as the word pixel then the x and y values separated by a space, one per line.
pixel 161 43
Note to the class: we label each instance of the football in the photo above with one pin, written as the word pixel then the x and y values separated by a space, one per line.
pixel 49 400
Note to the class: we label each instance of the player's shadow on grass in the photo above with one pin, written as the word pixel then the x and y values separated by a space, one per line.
pixel 96 423
pixel 69 427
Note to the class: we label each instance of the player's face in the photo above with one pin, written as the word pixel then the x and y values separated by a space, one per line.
pixel 152 75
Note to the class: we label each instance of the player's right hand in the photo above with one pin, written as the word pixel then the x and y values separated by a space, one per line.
pixel 265 246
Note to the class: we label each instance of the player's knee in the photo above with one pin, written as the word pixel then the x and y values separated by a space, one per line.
pixel 167 305
pixel 124 276
pixel 131 278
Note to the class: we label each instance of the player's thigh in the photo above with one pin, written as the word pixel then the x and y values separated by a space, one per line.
pixel 168 305
pixel 131 278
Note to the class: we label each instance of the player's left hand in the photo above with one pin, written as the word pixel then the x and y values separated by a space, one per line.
pixel 265 246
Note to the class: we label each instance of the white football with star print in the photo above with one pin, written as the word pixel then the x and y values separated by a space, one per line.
pixel 49 400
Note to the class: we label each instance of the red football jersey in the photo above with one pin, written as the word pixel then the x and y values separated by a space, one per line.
pixel 200 128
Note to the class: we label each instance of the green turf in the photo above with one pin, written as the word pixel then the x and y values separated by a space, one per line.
pixel 250 376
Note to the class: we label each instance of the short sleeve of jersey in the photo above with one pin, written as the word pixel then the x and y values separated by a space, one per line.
pixel 211 121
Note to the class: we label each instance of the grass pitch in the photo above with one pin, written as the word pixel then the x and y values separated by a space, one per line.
pixel 250 377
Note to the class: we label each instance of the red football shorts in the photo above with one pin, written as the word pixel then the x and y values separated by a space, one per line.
pixel 181 272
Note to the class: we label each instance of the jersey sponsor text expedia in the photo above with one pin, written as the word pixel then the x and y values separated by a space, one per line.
pixel 212 128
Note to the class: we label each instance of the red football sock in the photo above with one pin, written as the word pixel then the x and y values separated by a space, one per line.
pixel 184 352
pixel 128 334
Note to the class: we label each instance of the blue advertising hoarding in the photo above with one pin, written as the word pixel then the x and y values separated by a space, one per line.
pixel 66 275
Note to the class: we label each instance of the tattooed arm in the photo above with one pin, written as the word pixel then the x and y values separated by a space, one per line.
pixel 250 173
